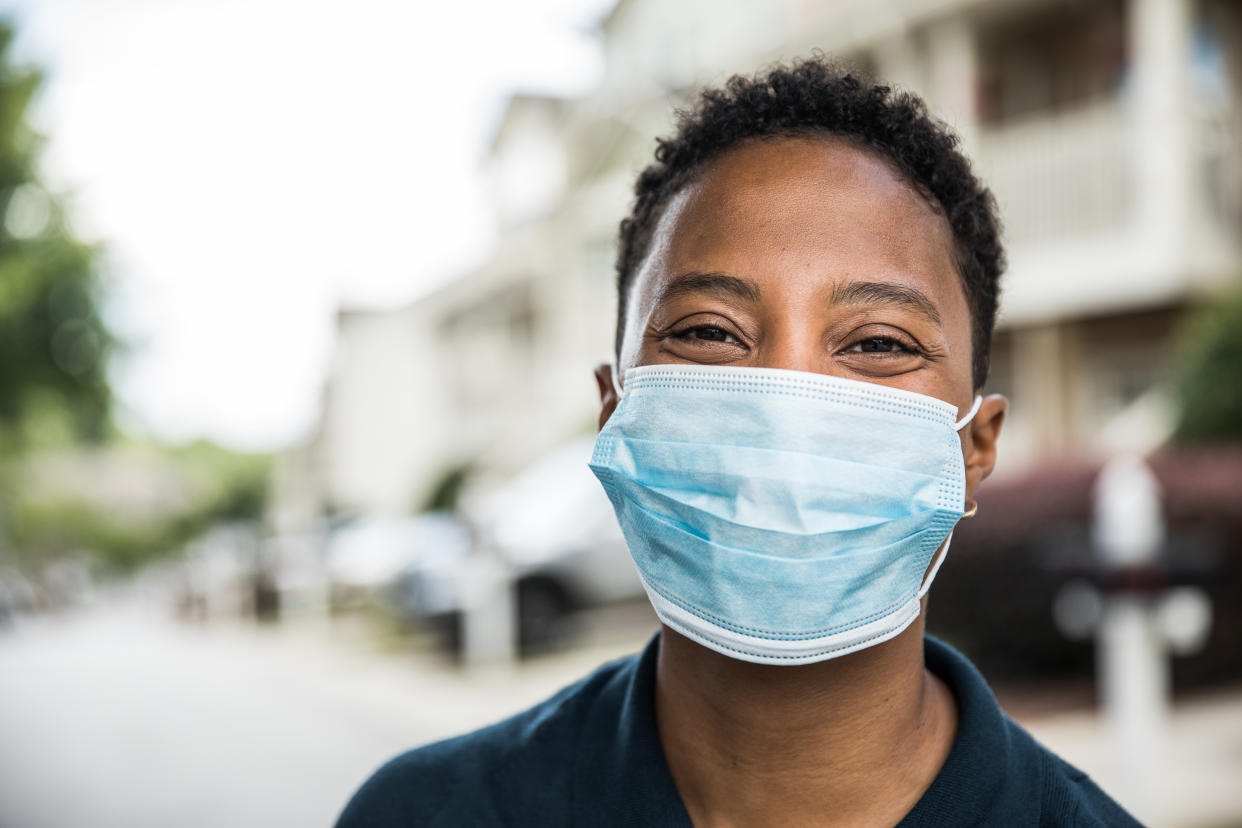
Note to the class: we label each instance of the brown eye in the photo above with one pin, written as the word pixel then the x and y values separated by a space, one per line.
pixel 706 333
pixel 879 345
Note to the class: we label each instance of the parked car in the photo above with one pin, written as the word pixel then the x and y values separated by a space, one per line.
pixel 1033 534
pixel 17 595
pixel 553 529
pixel 8 604
pixel 366 555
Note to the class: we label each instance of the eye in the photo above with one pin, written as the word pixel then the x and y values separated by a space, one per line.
pixel 706 333
pixel 705 338
pixel 880 345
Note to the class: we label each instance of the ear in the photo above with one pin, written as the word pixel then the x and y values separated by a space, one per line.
pixel 607 392
pixel 980 448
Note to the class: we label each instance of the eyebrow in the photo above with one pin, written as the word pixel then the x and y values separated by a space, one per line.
pixel 886 293
pixel 721 284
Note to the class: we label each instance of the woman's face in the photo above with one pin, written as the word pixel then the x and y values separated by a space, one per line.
pixel 811 255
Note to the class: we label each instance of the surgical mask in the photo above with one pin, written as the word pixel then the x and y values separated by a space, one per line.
pixel 777 516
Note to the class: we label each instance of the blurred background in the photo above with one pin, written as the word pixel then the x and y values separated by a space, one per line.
pixel 299 304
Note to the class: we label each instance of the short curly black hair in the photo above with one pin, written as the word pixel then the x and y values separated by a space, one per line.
pixel 814 97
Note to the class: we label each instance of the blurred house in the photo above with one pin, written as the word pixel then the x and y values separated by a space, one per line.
pixel 1108 130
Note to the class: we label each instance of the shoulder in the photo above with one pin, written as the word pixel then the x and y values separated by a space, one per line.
pixel 489 776
pixel 1067 795
pixel 1073 798
pixel 997 773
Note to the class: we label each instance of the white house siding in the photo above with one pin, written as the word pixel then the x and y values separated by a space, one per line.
pixel 1120 193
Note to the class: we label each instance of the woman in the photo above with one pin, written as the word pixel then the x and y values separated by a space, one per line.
pixel 807 288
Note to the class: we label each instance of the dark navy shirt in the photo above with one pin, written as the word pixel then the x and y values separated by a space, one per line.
pixel 591 756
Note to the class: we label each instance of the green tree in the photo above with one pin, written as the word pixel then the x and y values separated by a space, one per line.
pixel 54 395
pixel 76 515
pixel 447 489
pixel 53 343
pixel 1208 371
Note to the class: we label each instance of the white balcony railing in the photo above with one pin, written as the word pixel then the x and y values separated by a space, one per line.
pixel 1220 168
pixel 1058 176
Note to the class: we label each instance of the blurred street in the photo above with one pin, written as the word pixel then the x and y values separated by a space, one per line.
pixel 120 716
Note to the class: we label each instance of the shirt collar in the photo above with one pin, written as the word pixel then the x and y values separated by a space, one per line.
pixel 975 771
pixel 620 775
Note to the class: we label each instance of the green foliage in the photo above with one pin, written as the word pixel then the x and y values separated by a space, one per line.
pixel 54 348
pixel 446 491
pixel 53 343
pixel 74 518
pixel 44 531
pixel 240 481
pixel 59 459
pixel 1209 373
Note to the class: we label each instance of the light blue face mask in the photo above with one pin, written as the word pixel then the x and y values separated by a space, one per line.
pixel 778 516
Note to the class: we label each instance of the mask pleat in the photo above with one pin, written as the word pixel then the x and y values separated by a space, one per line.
pixel 762 505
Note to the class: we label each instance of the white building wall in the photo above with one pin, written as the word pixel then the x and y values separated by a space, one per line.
pixel 379 434
pixel 1104 204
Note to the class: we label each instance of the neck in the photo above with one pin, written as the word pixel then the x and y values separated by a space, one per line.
pixel 854 740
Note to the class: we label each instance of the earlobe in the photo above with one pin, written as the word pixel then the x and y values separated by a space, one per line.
pixel 607 391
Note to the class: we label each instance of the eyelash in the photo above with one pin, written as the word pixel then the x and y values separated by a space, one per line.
pixel 687 335
pixel 901 347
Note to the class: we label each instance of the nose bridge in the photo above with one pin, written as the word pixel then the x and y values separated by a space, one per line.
pixel 792 341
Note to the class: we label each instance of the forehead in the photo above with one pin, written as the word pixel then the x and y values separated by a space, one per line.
pixel 781 207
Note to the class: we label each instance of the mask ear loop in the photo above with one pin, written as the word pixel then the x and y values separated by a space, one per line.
pixel 931 576
pixel 970 415
pixel 944 550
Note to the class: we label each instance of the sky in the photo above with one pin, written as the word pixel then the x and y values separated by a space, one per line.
pixel 251 165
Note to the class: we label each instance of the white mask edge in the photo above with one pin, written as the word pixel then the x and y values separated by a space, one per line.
pixel 970 415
